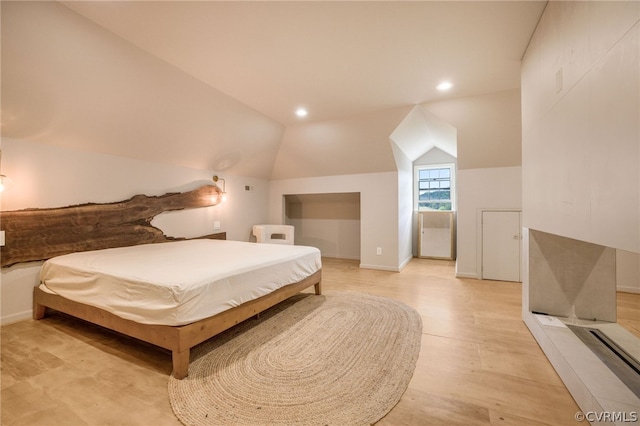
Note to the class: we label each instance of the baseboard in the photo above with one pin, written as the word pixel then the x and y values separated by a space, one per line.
pixel 625 289
pixel 335 256
pixel 379 268
pixel 20 316
pixel 472 275
pixel 405 263
pixel 387 268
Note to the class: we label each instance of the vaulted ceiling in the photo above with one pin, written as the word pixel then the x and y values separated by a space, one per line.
pixel 211 84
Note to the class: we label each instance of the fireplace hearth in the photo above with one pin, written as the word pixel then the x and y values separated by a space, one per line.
pixel 569 305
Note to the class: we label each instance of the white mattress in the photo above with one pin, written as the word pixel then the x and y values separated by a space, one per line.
pixel 178 282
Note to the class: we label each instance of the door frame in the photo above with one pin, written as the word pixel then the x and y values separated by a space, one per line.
pixel 479 245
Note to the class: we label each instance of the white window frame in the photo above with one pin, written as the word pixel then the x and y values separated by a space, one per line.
pixel 416 181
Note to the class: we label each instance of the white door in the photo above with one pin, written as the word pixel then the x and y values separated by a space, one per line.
pixel 501 245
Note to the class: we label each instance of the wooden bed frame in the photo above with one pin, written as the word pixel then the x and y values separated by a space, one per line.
pixel 40 234
pixel 178 339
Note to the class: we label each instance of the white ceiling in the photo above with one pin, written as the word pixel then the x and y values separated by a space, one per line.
pixel 338 59
pixel 214 85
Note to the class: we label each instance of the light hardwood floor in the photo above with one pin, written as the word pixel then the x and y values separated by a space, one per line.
pixel 478 365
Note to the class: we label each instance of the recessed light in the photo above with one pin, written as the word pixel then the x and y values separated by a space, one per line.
pixel 301 112
pixel 444 86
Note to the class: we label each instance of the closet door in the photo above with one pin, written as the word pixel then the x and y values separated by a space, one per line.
pixel 501 245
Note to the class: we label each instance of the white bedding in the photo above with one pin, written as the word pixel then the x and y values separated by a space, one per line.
pixel 178 282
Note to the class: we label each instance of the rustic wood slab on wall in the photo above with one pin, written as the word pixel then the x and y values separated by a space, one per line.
pixel 39 234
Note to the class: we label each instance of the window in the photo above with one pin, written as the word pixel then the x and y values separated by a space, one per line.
pixel 435 187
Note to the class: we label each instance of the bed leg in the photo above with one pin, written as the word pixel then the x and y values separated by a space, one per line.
pixel 180 364
pixel 318 288
pixel 39 311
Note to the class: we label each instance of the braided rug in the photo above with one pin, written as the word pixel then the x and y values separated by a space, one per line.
pixel 335 359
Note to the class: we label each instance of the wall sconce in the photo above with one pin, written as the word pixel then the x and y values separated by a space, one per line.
pixel 223 196
pixel 5 183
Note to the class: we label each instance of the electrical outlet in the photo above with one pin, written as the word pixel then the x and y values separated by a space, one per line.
pixel 379 251
pixel 216 224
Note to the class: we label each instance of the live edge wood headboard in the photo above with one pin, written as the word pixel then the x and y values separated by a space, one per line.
pixel 39 234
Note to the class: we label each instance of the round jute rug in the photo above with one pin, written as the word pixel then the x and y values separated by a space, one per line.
pixel 335 359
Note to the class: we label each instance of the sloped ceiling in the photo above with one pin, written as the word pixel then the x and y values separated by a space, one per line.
pixel 68 82
pixel 354 145
pixel 214 85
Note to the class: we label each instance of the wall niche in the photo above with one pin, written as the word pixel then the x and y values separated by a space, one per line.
pixel 330 222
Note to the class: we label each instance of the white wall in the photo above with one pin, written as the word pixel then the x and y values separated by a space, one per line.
pixel 478 189
pixel 581 123
pixel 378 207
pixel 435 156
pixel 406 230
pixel 627 271
pixel 48 176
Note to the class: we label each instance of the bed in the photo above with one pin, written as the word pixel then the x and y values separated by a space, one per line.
pixel 175 294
